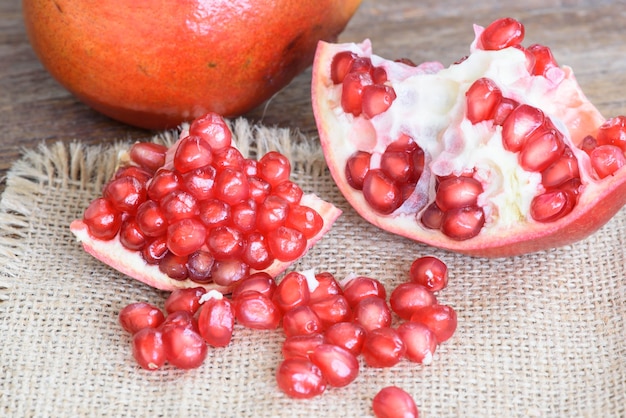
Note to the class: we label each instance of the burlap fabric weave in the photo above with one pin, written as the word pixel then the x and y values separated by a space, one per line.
pixel 540 335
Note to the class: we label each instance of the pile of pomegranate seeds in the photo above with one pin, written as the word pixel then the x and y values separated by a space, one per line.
pixel 327 325
pixel 203 212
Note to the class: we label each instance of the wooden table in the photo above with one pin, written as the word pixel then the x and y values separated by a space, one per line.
pixel 588 35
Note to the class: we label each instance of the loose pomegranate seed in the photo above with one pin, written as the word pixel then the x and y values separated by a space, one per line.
pixel 429 271
pixel 225 242
pixel 406 298
pixel 544 60
pixel 255 310
pixel 216 320
pixel 377 99
pixel 164 182
pixel 214 213
pixel 360 287
pixel 613 132
pixel 231 186
pixel 179 319
pixel 200 266
pixel 174 266
pixel 213 129
pixel 561 171
pixel 349 335
pixel 200 182
pixel 393 402
pixel 186 236
pixel 260 282
pixel 372 313
pixel 339 366
pixel 154 251
pixel 352 91
pixel 148 155
pixel 419 340
pixel 193 152
pixel 483 98
pixel 301 320
pixel 502 33
pixel 383 347
pixel 125 194
pixel 441 319
pixel 356 168
pixel 286 244
pixel 299 378
pixel 178 205
pixel 521 124
pixel 149 349
pixel 102 219
pixel 463 223
pixel 381 192
pixel 184 347
pixel 607 159
pixel 256 252
pixel 301 345
pixel 274 168
pixel 541 150
pixel 131 236
pixel 305 220
pixel 229 272
pixel 458 192
pixel 184 300
pixel 552 205
pixel 292 291
pixel 340 66
pixel 331 310
pixel 151 219
pixel 326 286
pixel 229 157
pixel 140 315
pixel 272 213
pixel 289 191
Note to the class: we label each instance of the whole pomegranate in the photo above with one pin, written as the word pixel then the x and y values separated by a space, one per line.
pixel 499 154
pixel 155 64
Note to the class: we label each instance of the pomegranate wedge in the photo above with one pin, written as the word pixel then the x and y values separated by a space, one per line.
pixel 499 154
pixel 200 214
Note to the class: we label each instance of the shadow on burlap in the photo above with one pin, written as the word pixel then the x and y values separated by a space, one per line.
pixel 540 335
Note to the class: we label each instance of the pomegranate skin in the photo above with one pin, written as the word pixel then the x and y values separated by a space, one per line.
pixel 157 64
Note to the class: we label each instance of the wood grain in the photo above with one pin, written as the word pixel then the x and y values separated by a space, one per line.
pixel 587 35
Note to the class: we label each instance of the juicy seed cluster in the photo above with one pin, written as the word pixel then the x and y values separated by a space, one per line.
pixel 202 211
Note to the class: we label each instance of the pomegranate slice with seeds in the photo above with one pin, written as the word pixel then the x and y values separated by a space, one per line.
pixel 511 156
pixel 201 214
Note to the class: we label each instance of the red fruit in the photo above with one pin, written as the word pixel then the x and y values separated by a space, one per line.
pixel 260 282
pixel 497 149
pixel 148 348
pixel 292 291
pixel 429 271
pixel 393 402
pixel 202 218
pixel 301 320
pixel 140 315
pixel 216 320
pixel 163 78
pixel 360 287
pixel 299 378
pixel 349 335
pixel 255 310
pixel 372 313
pixel 331 310
pixel 339 366
pixel 184 347
pixel 440 319
pixel 184 300
pixel 419 340
pixel 147 155
pixel 326 286
pixel 383 347
pixel 406 298
pixel 376 99
pixel 301 345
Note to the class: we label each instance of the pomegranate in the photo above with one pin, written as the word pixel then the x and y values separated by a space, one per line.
pixel 499 154
pixel 393 402
pixel 197 220
pixel 157 64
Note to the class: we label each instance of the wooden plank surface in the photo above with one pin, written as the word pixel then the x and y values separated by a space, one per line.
pixel 588 35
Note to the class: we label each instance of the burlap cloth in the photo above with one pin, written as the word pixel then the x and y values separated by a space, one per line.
pixel 540 335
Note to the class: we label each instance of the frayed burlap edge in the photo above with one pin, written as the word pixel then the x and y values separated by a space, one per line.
pixel 90 167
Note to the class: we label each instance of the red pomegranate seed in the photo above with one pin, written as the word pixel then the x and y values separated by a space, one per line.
pixel 148 155
pixel 231 186
pixel 125 194
pixel 249 167
pixel 376 99
pixel 562 170
pixel 521 124
pixel 326 286
pixel 441 319
pixel 200 182
pixel 432 217
pixel 184 347
pixel 607 159
pixel 229 157
pixel 260 282
pixel 255 310
pixel 339 366
pixel 361 65
pixel 393 402
pixel 613 132
pixel 551 205
pixel 379 75
pixel 398 165
pixel 372 313
pixel 131 235
pixel 352 91
pixel 200 266
pixel 381 192
pixel 289 191
pixel 151 219
pixel 243 215
pixel 216 320
pixel 502 33
pixel 213 129
pixel 274 168
pixel 214 213
pixel 186 236
pixel 225 242
pixel 305 220
pixel 102 219
pixel 348 335
pixel 331 310
pixel 503 110
pixel 140 315
pixel 541 150
pixel 544 60
pixel 178 205
pixel 179 319
pixel 429 271
pixel 258 189
pixel 301 320
pixel 192 152
pixel 299 378
pixel 419 340
pixel 383 347
pixel 360 287
pixel 463 223
pixel 286 244
pixel 141 174
pixel 184 300
pixel 272 213
pixel 406 298
pixel 149 349
pixel 458 192
pixel 174 266
pixel 164 182
pixel 292 291
pixel 483 98
pixel 340 66
pixel 229 272
pixel 356 168
pixel 256 251
pixel 154 251
pixel 301 345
